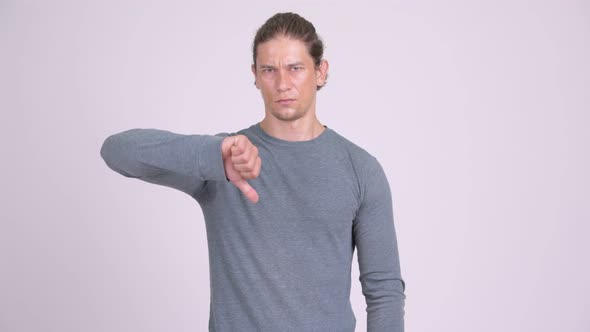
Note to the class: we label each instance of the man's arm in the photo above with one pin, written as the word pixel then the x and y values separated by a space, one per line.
pixel 183 162
pixel 377 252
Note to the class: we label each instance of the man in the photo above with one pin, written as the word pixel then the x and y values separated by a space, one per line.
pixel 285 201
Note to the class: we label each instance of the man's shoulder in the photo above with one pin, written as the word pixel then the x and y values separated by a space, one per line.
pixel 244 131
pixel 364 162
pixel 357 152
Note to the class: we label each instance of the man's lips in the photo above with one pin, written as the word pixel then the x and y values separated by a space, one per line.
pixel 285 101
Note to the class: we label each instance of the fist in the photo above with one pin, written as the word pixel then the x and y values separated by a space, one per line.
pixel 241 162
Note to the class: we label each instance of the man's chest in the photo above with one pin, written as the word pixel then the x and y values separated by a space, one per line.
pixel 317 191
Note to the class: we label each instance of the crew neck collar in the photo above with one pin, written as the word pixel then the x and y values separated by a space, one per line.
pixel 267 137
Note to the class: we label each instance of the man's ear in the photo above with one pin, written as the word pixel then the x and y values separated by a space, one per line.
pixel 322 72
pixel 254 72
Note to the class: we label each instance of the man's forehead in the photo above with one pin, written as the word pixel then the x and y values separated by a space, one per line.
pixel 282 47
pixel 283 58
pixel 283 52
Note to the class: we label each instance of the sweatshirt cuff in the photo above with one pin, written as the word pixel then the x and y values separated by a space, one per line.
pixel 210 159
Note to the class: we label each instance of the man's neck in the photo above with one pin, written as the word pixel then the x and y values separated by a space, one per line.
pixel 302 129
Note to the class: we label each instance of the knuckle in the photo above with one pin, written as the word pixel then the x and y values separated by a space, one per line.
pixel 246 155
pixel 252 162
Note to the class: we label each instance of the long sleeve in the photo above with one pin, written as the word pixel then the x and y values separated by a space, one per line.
pixel 377 252
pixel 183 162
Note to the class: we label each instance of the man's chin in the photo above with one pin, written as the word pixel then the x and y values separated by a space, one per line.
pixel 287 114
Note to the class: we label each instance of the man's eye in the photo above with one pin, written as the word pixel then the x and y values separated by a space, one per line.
pixel 297 67
pixel 267 70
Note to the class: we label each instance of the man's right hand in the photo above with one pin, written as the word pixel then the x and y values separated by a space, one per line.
pixel 241 162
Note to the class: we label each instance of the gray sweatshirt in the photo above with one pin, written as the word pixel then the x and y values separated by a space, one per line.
pixel 283 264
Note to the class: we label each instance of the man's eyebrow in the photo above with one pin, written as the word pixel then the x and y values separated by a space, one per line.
pixel 298 63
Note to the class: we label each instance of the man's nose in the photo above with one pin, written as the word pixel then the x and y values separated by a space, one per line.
pixel 283 81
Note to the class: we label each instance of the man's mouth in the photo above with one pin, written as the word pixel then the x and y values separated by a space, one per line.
pixel 285 101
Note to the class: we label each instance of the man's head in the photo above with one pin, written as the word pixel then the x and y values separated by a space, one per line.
pixel 295 27
pixel 287 55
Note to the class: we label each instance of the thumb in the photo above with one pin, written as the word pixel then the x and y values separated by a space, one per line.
pixel 246 189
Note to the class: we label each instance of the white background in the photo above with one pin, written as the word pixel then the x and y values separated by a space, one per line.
pixel 477 110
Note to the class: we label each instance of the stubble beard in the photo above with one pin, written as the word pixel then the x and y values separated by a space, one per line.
pixel 288 114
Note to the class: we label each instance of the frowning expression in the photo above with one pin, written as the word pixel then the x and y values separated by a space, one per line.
pixel 287 78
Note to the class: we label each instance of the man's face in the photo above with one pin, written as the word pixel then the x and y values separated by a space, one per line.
pixel 287 78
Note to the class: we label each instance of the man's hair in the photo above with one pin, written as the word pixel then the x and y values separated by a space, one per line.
pixel 293 26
